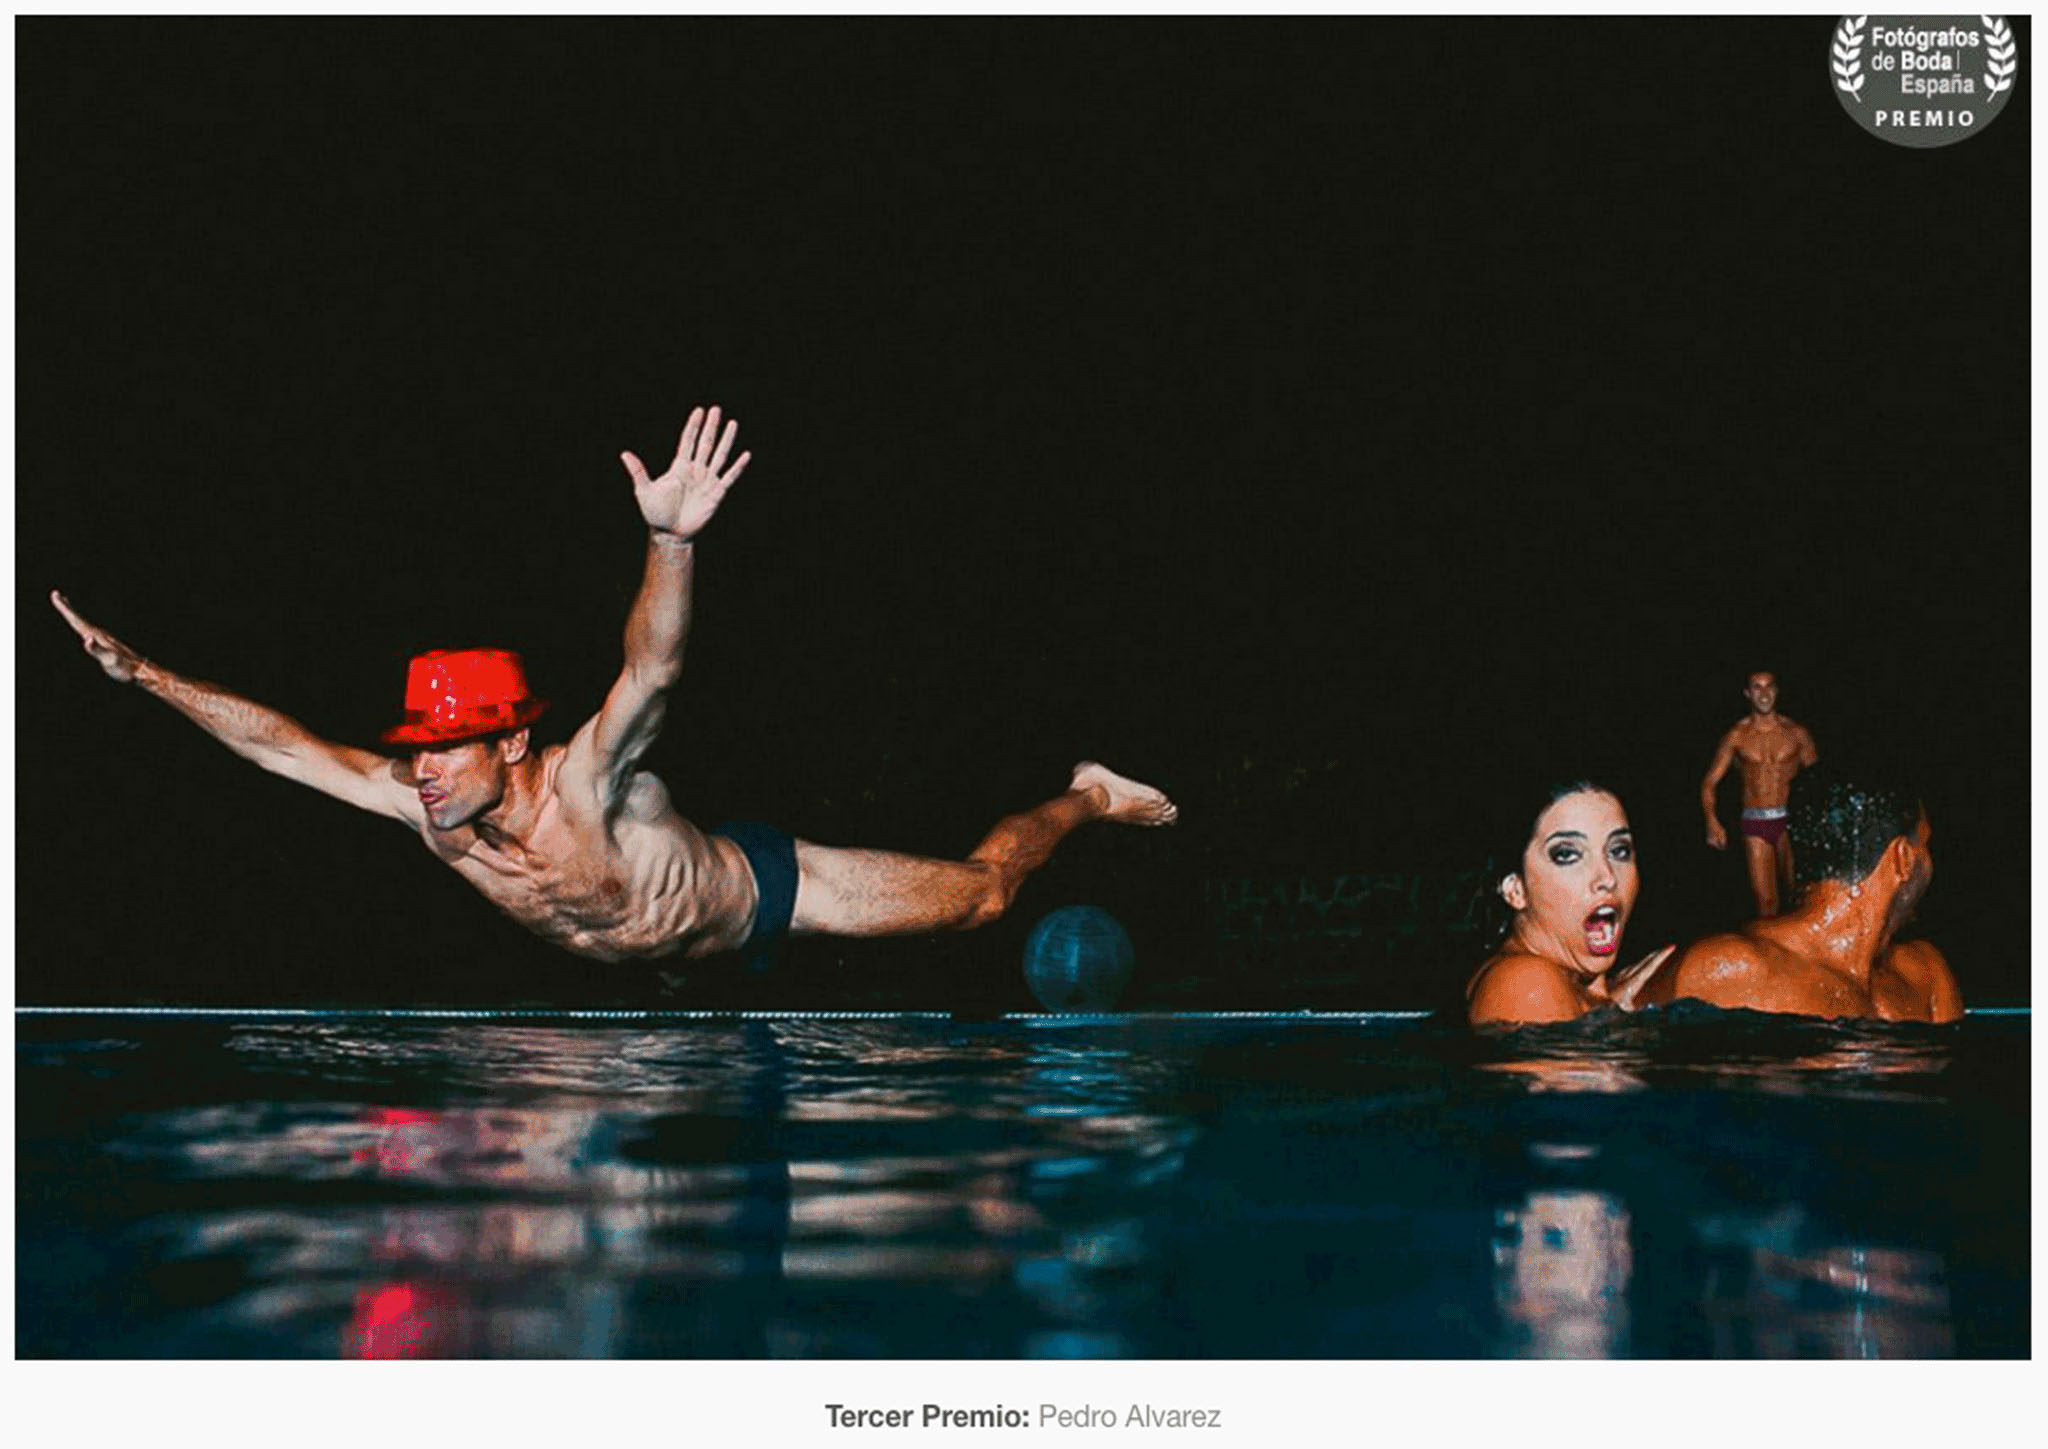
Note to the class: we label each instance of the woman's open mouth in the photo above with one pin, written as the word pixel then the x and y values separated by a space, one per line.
pixel 1603 931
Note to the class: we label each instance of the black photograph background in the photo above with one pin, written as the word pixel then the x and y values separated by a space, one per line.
pixel 1336 423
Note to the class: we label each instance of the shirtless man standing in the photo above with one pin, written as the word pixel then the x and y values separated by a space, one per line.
pixel 1864 861
pixel 577 843
pixel 1770 750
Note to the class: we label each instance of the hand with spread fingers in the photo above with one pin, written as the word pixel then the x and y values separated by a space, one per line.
pixel 682 500
pixel 120 662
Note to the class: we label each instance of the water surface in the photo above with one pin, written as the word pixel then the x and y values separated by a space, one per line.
pixel 1681 1184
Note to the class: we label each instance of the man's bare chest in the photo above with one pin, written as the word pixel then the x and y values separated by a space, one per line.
pixel 558 879
pixel 1767 749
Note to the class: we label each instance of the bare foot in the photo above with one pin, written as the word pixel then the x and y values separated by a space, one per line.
pixel 1129 802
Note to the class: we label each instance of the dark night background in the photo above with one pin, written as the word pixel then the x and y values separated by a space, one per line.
pixel 1335 423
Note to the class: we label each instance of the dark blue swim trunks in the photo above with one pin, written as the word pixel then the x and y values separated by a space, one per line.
pixel 772 854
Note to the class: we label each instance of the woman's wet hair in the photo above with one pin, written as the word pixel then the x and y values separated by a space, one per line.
pixel 1840 827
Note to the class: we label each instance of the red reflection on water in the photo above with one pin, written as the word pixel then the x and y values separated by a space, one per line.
pixel 400 1320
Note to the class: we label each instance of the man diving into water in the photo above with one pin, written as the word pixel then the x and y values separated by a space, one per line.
pixel 1769 749
pixel 577 843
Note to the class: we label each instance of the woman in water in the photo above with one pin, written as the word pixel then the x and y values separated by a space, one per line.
pixel 1571 893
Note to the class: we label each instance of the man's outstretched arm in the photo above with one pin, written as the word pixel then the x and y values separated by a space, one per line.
pixel 676 506
pixel 277 742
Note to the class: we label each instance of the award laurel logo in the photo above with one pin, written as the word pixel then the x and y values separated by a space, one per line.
pixel 1923 80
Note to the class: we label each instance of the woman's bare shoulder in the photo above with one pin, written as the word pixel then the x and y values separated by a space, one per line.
pixel 1518 987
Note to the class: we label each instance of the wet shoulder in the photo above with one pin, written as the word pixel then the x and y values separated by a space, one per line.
pixel 1523 988
pixel 1748 969
pixel 1716 963
pixel 1916 960
pixel 1914 982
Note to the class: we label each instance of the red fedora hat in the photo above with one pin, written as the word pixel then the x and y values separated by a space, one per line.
pixel 458 694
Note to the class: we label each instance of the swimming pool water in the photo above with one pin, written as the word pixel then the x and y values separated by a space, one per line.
pixel 1677 1184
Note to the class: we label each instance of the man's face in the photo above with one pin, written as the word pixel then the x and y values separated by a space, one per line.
pixel 459 782
pixel 1762 690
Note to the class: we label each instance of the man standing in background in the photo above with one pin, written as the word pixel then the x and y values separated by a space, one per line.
pixel 1769 749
